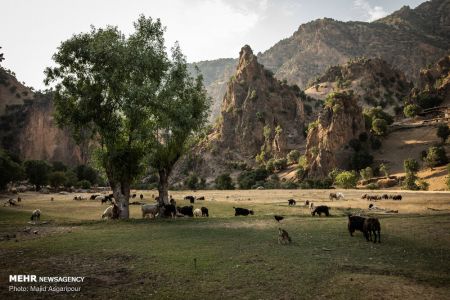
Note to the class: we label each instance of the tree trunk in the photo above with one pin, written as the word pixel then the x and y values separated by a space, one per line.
pixel 121 193
pixel 163 187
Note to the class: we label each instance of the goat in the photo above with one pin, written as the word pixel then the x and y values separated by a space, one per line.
pixel 205 212
pixel 149 209
pixel 190 198
pixel 36 215
pixel 292 202
pixel 372 226
pixel 187 211
pixel 321 209
pixel 283 236
pixel 242 211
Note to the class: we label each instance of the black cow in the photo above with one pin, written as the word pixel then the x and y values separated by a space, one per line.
pixel 321 209
pixel 205 212
pixel 242 211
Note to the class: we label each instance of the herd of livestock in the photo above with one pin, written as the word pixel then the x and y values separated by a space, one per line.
pixel 370 227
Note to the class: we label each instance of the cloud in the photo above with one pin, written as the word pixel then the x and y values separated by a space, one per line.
pixel 371 13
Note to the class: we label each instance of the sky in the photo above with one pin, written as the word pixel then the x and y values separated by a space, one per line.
pixel 32 30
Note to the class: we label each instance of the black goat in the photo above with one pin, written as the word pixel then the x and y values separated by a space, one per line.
pixel 242 211
pixel 321 209
pixel 205 212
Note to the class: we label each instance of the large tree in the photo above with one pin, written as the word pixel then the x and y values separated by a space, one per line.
pixel 134 100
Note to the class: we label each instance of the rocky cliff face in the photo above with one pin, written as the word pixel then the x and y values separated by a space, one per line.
pixel 259 112
pixel 373 81
pixel 436 79
pixel 27 127
pixel 408 39
pixel 340 121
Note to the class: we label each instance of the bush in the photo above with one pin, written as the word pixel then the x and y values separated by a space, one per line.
pixel 85 172
pixel 280 164
pixel 325 183
pixel 293 156
pixel 270 166
pixel 37 172
pixel 10 170
pixel 436 156
pixel 59 166
pixel 57 179
pixel 300 173
pixel 84 184
pixel 224 182
pixel 443 132
pixel 423 185
pixel 360 160
pixel 379 126
pixel 383 168
pixel 346 179
pixel 366 173
pixel 411 110
pixel 192 182
pixel 355 144
pixel 427 100
pixel 411 165
pixel 71 179
pixel 289 185
pixel 248 179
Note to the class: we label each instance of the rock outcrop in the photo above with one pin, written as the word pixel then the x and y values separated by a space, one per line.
pixel 340 121
pixel 259 112
pixel 373 81
pixel 27 127
pixel 436 79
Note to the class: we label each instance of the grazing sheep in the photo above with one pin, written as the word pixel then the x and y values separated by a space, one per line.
pixel 364 196
pixel 397 197
pixel 10 202
pixel 278 218
pixel 385 197
pixel 191 199
pixel 133 196
pixel 242 211
pixel 355 223
pixel 372 226
pixel 108 213
pixel 187 211
pixel 321 209
pixel 141 196
pixel 197 212
pixel 200 198
pixel 283 236
pixel 205 212
pixel 336 196
pixel 36 215
pixel 94 196
pixel 292 202
pixel 307 203
pixel 149 209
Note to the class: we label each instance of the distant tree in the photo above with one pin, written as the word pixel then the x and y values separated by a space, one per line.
pixel 360 160
pixel 346 179
pixel 436 156
pixel 411 165
pixel 59 166
pixel 300 173
pixel 270 167
pixel 443 132
pixel 280 164
pixel 71 179
pixel 192 182
pixel 85 172
pixel 411 110
pixel 84 184
pixel 366 173
pixel 411 168
pixel 224 182
pixel 37 172
pixel 1 56
pixel 10 170
pixel 384 169
pixel 57 179
pixel 355 144
pixel 293 156
pixel 379 126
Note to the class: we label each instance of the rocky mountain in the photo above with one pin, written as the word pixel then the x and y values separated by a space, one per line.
pixel 27 126
pixel 338 123
pixel 436 79
pixel 409 39
pixel 373 81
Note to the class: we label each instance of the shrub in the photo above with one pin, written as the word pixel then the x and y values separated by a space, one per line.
pixel 270 166
pixel 360 160
pixel 289 185
pixel 192 182
pixel 10 170
pixel 443 132
pixel 383 168
pixel 427 100
pixel 411 165
pixel 71 179
pixel 355 144
pixel 57 179
pixel 248 179
pixel 37 172
pixel 411 110
pixel 436 156
pixel 85 172
pixel 379 126
pixel 375 143
pixel 280 164
pixel 59 166
pixel 346 179
pixel 300 173
pixel 293 156
pixel 84 184
pixel 423 185
pixel 363 136
pixel 224 182
pixel 366 173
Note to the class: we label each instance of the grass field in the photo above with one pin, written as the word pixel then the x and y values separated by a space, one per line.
pixel 223 256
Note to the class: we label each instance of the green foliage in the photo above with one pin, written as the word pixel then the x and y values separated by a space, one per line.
pixel 57 179
pixel 423 185
pixel 260 116
pixel 10 170
pixel 303 162
pixel 192 182
pixel 375 143
pixel 411 110
pixel 316 183
pixel 333 173
pixel 270 166
pixel 373 186
pixel 383 168
pixel 84 184
pixel 313 125
pixel 37 172
pixel 293 156
pixel 427 99
pixel 300 173
pixel 355 144
pixel 224 182
pixel 59 166
pixel 366 173
pixel 308 109
pixel 280 164
pixel 436 156
pixel 288 185
pixel 253 95
pixel 411 165
pixel 88 173
pixel 379 126
pixel 360 160
pixel 346 179
pixel 443 132
pixel 71 179
pixel 248 179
